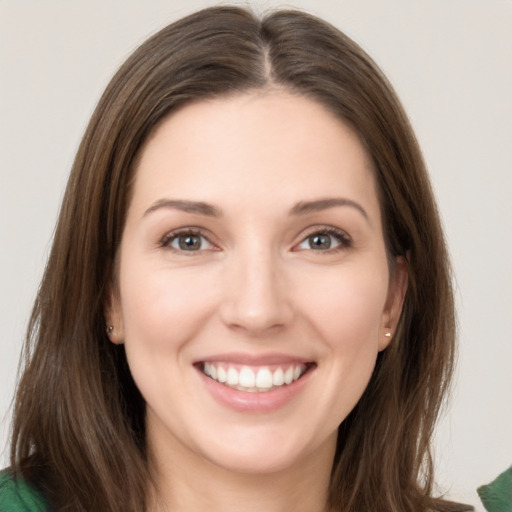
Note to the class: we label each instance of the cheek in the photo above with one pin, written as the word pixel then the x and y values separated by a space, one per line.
pixel 162 311
pixel 346 305
pixel 346 313
pixel 161 308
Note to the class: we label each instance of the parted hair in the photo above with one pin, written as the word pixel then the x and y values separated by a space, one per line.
pixel 79 420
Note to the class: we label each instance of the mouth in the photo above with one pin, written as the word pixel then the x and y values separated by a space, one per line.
pixel 254 379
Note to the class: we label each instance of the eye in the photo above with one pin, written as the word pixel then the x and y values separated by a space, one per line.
pixel 325 240
pixel 187 241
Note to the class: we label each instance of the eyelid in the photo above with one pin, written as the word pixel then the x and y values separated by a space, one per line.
pixel 189 230
pixel 345 241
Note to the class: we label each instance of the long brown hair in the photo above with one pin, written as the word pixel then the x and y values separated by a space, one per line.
pixel 78 428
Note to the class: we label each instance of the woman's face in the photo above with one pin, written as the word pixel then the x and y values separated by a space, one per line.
pixel 253 291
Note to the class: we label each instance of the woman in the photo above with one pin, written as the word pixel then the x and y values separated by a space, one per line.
pixel 248 298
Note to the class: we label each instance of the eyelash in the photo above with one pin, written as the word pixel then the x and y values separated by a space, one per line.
pixel 344 241
pixel 174 235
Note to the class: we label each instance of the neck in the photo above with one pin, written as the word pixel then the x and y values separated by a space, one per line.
pixel 187 482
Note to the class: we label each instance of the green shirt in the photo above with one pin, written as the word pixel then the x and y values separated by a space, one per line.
pixel 18 496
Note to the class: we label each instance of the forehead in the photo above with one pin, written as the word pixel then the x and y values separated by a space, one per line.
pixel 255 148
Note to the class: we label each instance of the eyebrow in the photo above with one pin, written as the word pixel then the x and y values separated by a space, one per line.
pixel 198 207
pixel 306 207
pixel 209 210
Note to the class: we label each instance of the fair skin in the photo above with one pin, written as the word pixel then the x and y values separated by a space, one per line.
pixel 253 296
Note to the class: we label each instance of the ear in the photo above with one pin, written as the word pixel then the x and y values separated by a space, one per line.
pixel 396 294
pixel 113 316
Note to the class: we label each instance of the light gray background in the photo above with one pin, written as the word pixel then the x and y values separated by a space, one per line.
pixel 451 63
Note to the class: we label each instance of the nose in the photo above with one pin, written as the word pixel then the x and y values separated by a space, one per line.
pixel 256 299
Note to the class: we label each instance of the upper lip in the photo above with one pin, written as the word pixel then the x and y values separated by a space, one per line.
pixel 240 358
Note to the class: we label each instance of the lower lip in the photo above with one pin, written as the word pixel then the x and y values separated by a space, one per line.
pixel 255 402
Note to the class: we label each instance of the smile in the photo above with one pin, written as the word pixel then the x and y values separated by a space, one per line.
pixel 254 380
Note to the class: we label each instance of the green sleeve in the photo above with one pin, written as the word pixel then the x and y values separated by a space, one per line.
pixel 19 496
pixel 497 496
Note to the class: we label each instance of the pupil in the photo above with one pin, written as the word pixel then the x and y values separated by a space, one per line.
pixel 189 242
pixel 320 241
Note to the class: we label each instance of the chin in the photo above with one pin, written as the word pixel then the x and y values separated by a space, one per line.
pixel 266 453
pixel 256 464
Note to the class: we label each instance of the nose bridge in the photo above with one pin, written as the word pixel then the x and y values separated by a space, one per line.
pixel 256 298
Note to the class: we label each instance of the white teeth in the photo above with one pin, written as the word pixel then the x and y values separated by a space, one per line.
pixel 247 379
pixel 278 377
pixel 264 378
pixel 232 377
pixel 221 374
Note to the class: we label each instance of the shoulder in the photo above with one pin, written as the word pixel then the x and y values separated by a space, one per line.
pixel 19 496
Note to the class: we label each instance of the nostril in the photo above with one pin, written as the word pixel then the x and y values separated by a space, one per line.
pixel 251 316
